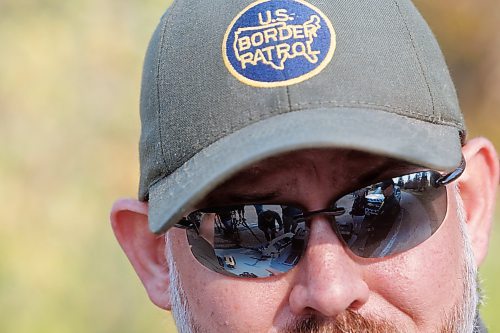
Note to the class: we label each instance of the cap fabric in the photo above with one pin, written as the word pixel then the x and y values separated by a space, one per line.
pixel 228 83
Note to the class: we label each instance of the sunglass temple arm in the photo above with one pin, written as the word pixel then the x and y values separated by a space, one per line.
pixel 448 178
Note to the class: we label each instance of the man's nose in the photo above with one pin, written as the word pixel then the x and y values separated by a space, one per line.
pixel 328 281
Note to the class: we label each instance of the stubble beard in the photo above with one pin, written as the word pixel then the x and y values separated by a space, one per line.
pixel 460 319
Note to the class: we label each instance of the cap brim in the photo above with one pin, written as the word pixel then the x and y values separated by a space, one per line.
pixel 435 146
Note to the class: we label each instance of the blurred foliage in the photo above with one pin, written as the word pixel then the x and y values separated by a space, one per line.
pixel 69 125
pixel 69 90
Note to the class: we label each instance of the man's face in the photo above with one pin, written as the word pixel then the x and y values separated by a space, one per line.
pixel 429 288
pixel 388 191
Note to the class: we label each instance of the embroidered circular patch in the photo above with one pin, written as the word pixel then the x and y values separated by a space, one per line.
pixel 274 43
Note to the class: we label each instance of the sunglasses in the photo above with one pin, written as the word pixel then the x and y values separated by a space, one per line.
pixel 378 220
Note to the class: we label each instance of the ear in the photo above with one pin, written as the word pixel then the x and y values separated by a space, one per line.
pixel 145 250
pixel 478 186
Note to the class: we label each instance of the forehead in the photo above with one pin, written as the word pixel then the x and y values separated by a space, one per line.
pixel 338 169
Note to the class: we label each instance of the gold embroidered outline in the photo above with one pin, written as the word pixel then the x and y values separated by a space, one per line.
pixel 312 22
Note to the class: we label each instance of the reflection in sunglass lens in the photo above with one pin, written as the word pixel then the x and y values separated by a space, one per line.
pixel 392 216
pixel 256 240
pixel 249 240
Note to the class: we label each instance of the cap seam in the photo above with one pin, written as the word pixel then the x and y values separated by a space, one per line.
pixel 412 40
pixel 289 99
pixel 158 78
pixel 381 107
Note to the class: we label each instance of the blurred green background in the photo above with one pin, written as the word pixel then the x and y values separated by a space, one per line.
pixel 69 125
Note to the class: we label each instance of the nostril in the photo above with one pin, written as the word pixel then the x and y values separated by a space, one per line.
pixel 356 305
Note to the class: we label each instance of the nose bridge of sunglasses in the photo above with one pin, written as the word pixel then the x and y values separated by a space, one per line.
pixel 330 213
pixel 335 211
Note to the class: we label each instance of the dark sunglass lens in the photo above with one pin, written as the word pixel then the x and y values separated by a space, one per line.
pixel 248 241
pixel 379 220
pixel 392 216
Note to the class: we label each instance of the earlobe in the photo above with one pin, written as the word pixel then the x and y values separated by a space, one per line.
pixel 478 186
pixel 145 250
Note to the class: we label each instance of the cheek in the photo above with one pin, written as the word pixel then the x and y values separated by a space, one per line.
pixel 222 304
pixel 427 281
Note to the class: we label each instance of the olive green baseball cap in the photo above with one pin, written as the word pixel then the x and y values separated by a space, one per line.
pixel 228 83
